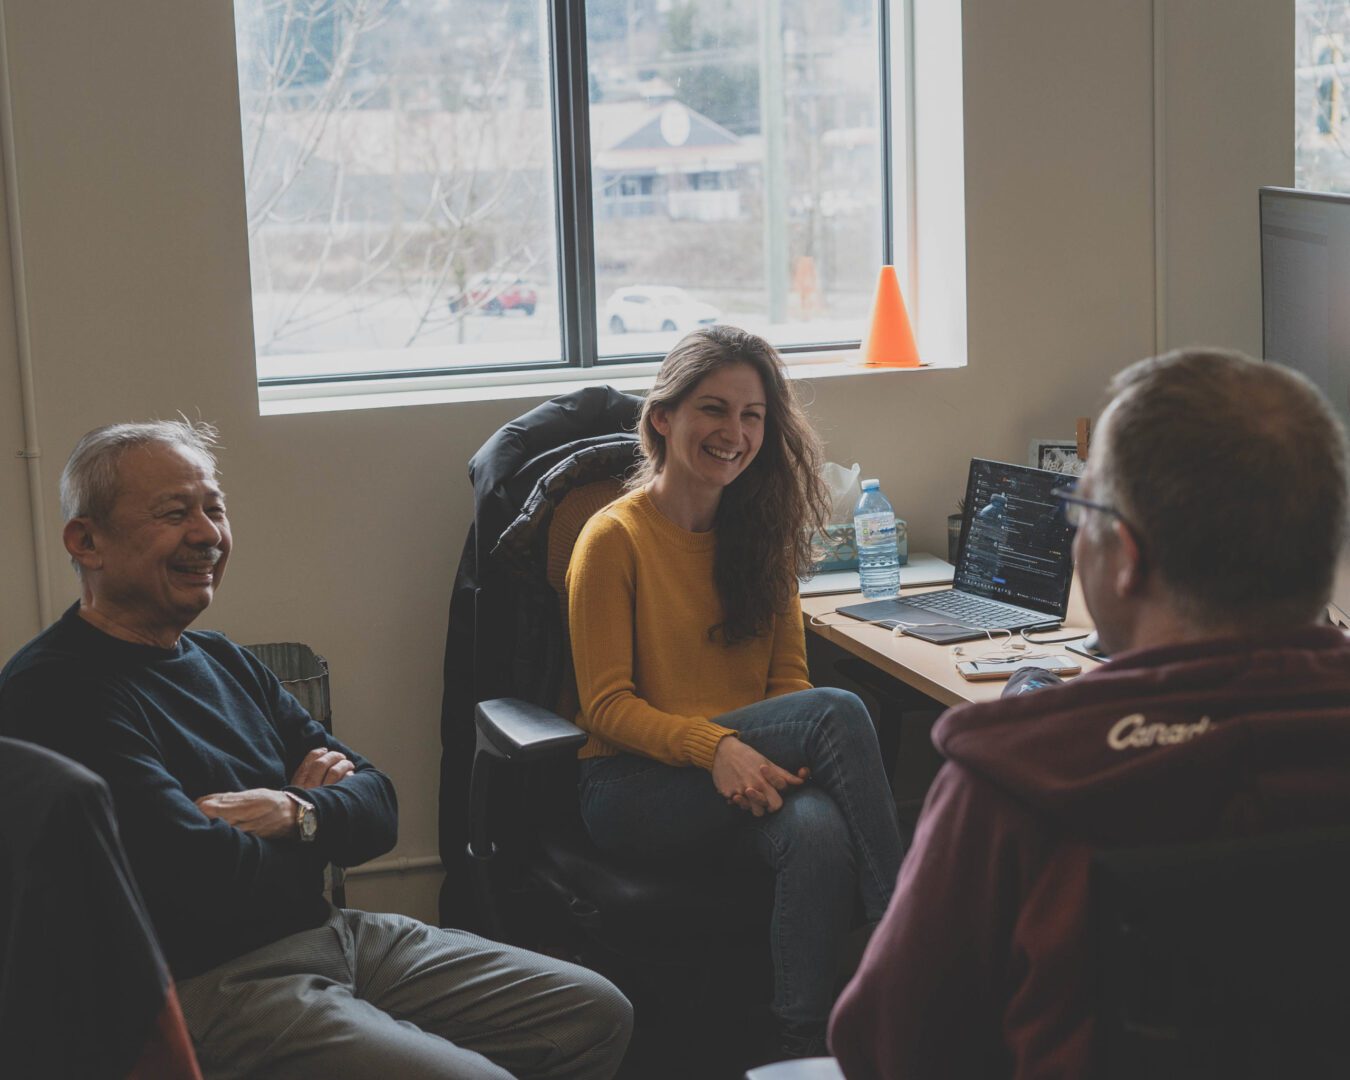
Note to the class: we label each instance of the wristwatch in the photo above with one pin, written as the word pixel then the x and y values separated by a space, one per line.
pixel 306 817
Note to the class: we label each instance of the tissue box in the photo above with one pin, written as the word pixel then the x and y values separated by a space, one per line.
pixel 837 549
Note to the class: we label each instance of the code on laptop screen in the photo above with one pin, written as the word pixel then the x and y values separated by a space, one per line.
pixel 1016 545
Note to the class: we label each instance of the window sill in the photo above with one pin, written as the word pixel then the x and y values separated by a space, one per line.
pixel 506 385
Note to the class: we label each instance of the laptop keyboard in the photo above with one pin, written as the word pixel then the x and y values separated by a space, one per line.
pixel 976 610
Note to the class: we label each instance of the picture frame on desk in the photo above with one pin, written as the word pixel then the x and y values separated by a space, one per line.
pixel 1057 456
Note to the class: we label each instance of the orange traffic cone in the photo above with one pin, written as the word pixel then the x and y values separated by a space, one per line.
pixel 890 338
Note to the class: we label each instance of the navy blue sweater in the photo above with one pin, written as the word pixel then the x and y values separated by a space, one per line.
pixel 164 727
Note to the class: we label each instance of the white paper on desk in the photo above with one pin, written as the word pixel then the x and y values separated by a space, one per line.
pixel 922 569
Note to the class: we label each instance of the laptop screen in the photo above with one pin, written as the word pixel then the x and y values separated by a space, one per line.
pixel 1016 545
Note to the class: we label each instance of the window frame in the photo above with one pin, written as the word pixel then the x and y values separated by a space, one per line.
pixel 575 219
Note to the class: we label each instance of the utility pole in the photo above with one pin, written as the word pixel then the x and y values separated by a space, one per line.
pixel 771 111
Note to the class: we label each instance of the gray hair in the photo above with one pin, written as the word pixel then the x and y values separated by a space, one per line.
pixel 89 480
pixel 1234 473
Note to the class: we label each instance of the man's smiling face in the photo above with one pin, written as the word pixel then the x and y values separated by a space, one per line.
pixel 160 553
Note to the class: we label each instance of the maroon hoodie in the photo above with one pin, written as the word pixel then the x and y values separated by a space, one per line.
pixel 980 967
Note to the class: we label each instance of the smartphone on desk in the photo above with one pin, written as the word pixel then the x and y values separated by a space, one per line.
pixel 1090 647
pixel 979 670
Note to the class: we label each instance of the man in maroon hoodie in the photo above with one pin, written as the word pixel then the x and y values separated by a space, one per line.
pixel 1210 519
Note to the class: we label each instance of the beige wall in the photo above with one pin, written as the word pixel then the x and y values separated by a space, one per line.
pixel 18 589
pixel 349 525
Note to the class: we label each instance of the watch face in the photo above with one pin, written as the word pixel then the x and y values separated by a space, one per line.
pixel 308 823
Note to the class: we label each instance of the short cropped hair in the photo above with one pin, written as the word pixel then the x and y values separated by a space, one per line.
pixel 89 480
pixel 1234 473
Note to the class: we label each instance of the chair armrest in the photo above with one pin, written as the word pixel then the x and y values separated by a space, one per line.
pixel 517 731
pixel 514 732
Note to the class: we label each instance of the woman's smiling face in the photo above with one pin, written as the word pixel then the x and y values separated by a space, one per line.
pixel 716 431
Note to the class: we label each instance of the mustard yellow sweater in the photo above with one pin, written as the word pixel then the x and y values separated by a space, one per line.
pixel 640 601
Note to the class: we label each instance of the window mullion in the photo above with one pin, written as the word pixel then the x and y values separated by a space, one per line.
pixel 572 164
pixel 899 105
pixel 886 122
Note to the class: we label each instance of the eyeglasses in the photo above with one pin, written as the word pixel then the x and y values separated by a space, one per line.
pixel 1076 507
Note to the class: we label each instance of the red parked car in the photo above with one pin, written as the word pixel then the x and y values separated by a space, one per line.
pixel 496 294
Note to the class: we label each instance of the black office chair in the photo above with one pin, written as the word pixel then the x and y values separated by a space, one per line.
pixel 667 933
pixel 84 989
pixel 1226 959
pixel 504 637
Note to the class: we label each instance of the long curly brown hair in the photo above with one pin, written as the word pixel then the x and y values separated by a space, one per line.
pixel 766 515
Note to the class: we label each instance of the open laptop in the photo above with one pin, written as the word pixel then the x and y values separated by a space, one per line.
pixel 1013 570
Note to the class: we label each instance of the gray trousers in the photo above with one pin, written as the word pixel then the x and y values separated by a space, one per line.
pixel 388 997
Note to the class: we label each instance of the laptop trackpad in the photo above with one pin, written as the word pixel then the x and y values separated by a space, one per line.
pixel 918 623
pixel 891 612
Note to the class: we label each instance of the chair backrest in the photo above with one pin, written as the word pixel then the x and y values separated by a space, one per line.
pixel 303 672
pixel 1225 959
pixel 533 551
pixel 569 518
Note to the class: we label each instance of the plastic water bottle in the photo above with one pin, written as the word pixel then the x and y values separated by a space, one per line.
pixel 876 531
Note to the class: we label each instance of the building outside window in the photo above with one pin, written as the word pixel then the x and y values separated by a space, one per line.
pixel 403 178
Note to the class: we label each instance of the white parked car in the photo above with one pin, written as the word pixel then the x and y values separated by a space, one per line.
pixel 636 308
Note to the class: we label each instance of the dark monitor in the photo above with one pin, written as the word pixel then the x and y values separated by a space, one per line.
pixel 1305 301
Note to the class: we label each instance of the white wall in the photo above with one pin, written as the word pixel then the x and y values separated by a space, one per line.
pixel 348 525
pixel 1227 117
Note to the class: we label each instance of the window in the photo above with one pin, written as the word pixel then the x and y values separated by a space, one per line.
pixel 448 185
pixel 759 126
pixel 400 184
pixel 1322 151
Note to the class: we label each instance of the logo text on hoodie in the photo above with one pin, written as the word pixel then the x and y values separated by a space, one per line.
pixel 1134 732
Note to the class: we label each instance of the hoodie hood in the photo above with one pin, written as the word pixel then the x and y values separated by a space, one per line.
pixel 1187 741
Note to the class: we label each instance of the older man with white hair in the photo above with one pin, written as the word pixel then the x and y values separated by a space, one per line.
pixel 231 799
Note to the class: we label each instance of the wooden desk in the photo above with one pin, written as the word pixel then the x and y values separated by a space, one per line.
pixel 926 667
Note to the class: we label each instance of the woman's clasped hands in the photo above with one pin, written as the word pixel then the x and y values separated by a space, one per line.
pixel 750 781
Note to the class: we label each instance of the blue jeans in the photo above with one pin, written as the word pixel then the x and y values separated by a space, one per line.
pixel 835 837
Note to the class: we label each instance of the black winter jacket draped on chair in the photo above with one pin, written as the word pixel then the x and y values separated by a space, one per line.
pixel 505 635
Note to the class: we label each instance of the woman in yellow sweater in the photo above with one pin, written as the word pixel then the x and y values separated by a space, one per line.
pixel 690 660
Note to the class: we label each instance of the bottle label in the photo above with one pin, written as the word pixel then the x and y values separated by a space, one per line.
pixel 874 528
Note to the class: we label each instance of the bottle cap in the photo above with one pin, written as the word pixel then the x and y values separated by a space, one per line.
pixel 871 485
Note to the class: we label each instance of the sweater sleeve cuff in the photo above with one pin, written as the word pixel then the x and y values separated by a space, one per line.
pixel 701 741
